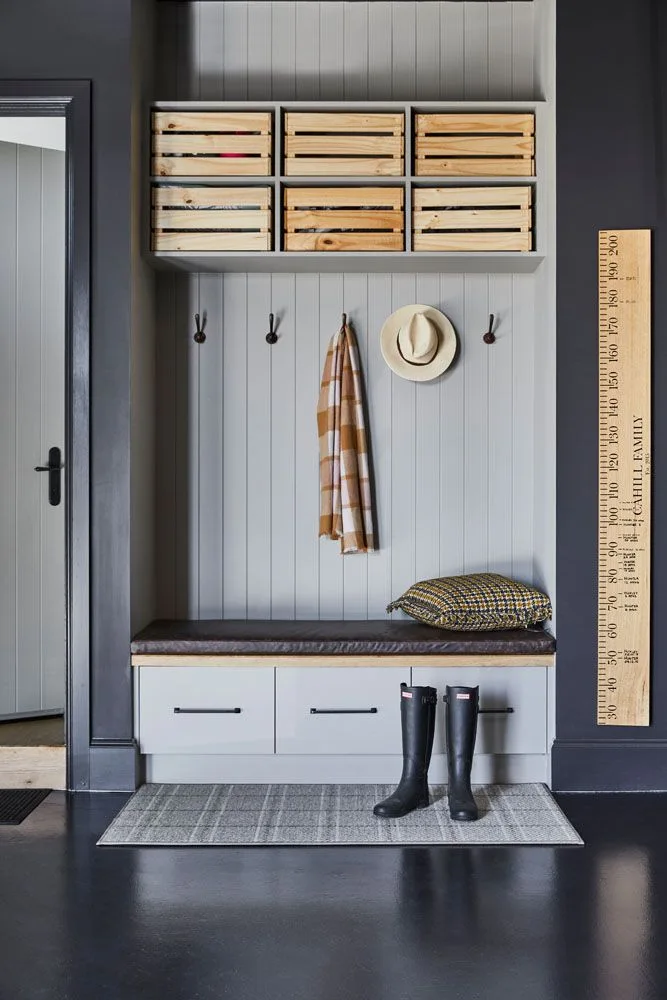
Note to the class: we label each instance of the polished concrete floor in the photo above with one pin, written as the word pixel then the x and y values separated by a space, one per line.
pixel 84 923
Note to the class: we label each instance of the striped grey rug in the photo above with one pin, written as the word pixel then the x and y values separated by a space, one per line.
pixel 331 815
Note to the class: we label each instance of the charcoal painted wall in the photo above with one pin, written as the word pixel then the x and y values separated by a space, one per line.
pixel 611 117
pixel 80 39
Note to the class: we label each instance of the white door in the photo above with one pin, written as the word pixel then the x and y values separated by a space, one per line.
pixel 32 395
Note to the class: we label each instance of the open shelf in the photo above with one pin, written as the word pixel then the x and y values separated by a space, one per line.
pixel 512 260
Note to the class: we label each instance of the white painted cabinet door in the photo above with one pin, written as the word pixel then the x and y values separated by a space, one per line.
pixel 524 689
pixel 32 394
pixel 206 710
pixel 339 710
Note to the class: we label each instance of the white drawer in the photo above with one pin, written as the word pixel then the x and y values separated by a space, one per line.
pixel 522 688
pixel 206 710
pixel 342 698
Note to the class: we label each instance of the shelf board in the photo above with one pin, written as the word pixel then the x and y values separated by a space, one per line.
pixel 321 261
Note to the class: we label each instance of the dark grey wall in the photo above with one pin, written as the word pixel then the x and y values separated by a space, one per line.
pixel 611 91
pixel 90 39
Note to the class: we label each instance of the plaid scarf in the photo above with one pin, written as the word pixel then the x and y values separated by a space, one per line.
pixel 345 488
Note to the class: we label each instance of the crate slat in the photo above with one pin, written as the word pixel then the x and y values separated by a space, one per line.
pixel 475 145
pixel 471 122
pixel 469 219
pixel 207 218
pixel 214 241
pixel 212 121
pixel 211 143
pixel 211 197
pixel 337 121
pixel 485 242
pixel 337 143
pixel 345 218
pixel 209 166
pixel 478 167
pixel 327 242
pixel 506 196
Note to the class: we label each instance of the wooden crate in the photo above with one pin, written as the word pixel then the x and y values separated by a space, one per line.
pixel 211 143
pixel 211 218
pixel 472 218
pixel 475 145
pixel 343 218
pixel 338 144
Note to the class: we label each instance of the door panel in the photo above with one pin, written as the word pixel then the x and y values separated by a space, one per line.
pixel 32 315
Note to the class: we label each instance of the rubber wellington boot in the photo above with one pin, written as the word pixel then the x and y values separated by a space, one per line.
pixel 462 707
pixel 417 727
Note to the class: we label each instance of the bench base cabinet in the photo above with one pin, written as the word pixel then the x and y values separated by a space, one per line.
pixel 331 724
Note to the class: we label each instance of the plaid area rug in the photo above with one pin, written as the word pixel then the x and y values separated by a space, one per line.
pixel 329 815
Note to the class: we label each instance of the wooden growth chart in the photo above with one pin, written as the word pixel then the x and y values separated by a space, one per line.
pixel 624 522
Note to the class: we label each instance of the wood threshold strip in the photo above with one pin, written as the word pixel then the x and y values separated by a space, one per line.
pixel 306 660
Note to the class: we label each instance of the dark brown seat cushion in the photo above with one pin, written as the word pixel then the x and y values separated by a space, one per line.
pixel 331 638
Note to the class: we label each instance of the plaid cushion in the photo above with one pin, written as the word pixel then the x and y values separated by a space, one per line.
pixel 476 602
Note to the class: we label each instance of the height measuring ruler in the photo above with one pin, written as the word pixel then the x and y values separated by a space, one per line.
pixel 624 516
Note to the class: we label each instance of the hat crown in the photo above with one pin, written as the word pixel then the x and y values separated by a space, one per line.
pixel 418 339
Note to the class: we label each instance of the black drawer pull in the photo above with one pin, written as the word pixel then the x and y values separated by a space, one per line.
pixel 343 711
pixel 207 711
pixel 496 711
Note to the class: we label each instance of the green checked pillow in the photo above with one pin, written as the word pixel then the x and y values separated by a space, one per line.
pixel 476 602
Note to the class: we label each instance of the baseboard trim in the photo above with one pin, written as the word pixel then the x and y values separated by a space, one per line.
pixel 115 766
pixel 332 769
pixel 609 765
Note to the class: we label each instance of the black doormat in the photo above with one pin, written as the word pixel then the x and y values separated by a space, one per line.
pixel 17 803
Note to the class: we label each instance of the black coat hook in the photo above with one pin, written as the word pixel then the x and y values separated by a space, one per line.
pixel 344 319
pixel 490 337
pixel 199 336
pixel 272 336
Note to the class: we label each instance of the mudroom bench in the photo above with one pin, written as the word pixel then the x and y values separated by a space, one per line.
pixel 305 701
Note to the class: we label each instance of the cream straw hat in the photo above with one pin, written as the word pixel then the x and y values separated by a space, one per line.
pixel 418 342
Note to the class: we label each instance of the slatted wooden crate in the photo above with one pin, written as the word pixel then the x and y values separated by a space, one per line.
pixel 211 143
pixel 336 144
pixel 211 218
pixel 475 145
pixel 472 218
pixel 343 218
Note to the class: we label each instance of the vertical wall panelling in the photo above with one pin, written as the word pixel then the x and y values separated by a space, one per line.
pixel 283 457
pixel 355 568
pixel 378 388
pixel 332 305
pixel 478 55
pixel 476 423
pixel 258 445
pixel 167 411
pixel 453 460
pixel 217 508
pixel 8 457
pixel 403 463
pixel 306 446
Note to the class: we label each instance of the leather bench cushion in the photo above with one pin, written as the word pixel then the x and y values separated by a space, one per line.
pixel 331 638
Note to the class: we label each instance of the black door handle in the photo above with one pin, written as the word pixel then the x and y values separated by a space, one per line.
pixel 54 468
pixel 343 711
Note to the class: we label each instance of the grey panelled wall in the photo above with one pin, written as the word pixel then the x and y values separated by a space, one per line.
pixel 347 51
pixel 238 451
pixel 32 415
pixel 457 463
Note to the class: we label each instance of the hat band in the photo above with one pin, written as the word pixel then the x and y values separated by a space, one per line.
pixel 416 364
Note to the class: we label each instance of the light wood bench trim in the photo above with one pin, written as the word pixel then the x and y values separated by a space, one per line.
pixel 305 660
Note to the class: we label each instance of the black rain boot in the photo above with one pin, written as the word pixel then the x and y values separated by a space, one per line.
pixel 462 707
pixel 417 727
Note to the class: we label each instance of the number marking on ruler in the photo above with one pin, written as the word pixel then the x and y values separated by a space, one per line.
pixel 624 486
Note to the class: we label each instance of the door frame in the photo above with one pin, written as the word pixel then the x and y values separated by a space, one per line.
pixel 71 99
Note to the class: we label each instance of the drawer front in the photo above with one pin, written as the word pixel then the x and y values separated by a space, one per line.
pixel 342 698
pixel 206 710
pixel 524 689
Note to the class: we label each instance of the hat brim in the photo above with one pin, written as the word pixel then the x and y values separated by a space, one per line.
pixel 443 357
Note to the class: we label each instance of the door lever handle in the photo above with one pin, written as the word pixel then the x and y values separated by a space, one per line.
pixel 54 468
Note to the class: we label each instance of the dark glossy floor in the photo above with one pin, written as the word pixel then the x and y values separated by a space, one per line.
pixel 87 923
